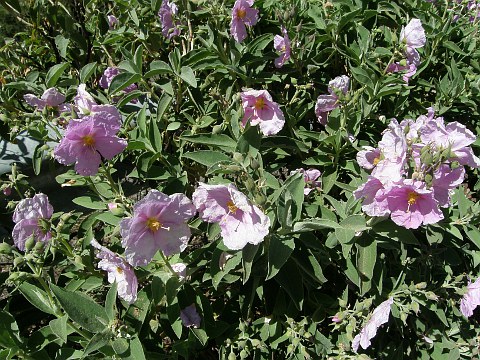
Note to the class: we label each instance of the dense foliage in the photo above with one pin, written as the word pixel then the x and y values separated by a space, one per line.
pixel 213 158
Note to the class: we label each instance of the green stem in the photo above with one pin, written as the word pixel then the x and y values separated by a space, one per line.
pixel 167 264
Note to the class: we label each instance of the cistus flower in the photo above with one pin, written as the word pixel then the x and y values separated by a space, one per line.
pixel 471 299
pixel 240 222
pixel 411 204
pixel 112 21
pixel 180 269
pixel 118 271
pixel 50 98
pixel 168 11
pixel 379 317
pixel 108 76
pixel 282 44
pixel 326 103
pixel 261 110
pixel 85 105
pixel 87 140
pixel 242 15
pixel 310 176
pixel 158 223
pixel 190 317
pixel 31 217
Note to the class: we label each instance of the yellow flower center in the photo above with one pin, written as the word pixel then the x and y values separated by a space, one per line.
pixel 284 48
pixel 88 140
pixel 231 207
pixel 376 161
pixel 153 224
pixel 119 270
pixel 241 13
pixel 260 103
pixel 412 198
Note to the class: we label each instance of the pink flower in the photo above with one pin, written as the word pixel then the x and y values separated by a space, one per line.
pixel 240 222
pixel 373 194
pixel 180 269
pixel 369 157
pixel 411 204
pixel 87 140
pixel 326 103
pixel 282 44
pixel 158 223
pixel 112 21
pixel 31 217
pixel 310 176
pixel 242 15
pixel 118 271
pixel 50 98
pixel 261 110
pixel 379 317
pixel 471 299
pixel 86 105
pixel 108 76
pixel 444 181
pixel 190 317
pixel 413 35
pixel 168 11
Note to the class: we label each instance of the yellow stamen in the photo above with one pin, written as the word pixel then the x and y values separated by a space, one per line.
pixel 153 224
pixel 260 103
pixel 284 48
pixel 119 270
pixel 241 13
pixel 88 140
pixel 231 207
pixel 376 161
pixel 412 198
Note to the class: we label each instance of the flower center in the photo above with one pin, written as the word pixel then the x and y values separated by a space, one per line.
pixel 153 224
pixel 88 140
pixel 241 13
pixel 376 161
pixel 260 103
pixel 231 207
pixel 119 270
pixel 284 48
pixel 412 198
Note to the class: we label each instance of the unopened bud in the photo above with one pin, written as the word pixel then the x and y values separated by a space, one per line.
pixel 254 164
pixel 30 243
pixel 217 129
pixel 19 260
pixel 421 285
pixel 238 157
pixel 7 191
pixel 454 165
pixel 232 356
pixel 5 249
pixel 39 246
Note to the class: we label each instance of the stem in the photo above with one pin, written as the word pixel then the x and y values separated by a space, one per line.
pixel 165 260
pixel 112 183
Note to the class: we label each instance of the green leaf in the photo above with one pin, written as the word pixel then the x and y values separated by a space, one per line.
pixel 314 224
pixel 290 279
pixel 110 302
pixel 108 218
pixel 9 334
pixel 206 157
pixel 120 346
pixel 454 47
pixel 220 140
pixel 82 309
pixel 138 57
pixel 248 254
pixel 187 75
pixel 37 159
pixel 37 297
pixel 158 67
pixel 121 81
pixel 279 251
pixel 59 328
pixel 87 71
pixel 366 258
pixel 90 202
pixel 54 74
pixel 136 349
pixel 62 44
pixel 98 341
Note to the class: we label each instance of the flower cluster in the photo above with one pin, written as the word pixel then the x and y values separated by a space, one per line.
pixel 325 103
pixel 414 169
pixel 167 13
pixel 412 37
pixel 31 217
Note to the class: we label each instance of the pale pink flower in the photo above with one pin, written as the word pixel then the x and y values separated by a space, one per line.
pixel 158 223
pixel 180 269
pixel 326 103
pixel 445 180
pixel 261 110
pixel 242 15
pixel 374 200
pixel 108 76
pixel 50 98
pixel 310 176
pixel 240 222
pixel 413 35
pixel 86 141
pixel 190 317
pixel 31 217
pixel 168 12
pixel 119 271
pixel 411 204
pixel 369 157
pixel 282 44
pixel 471 299
pixel 86 105
pixel 379 317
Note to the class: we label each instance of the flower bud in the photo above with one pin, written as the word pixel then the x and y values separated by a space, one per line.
pixel 238 157
pixel 30 243
pixel 18 261
pixel 39 246
pixel 254 164
pixel 454 165
pixel 421 285
pixel 7 191
pixel 5 249
pixel 217 129
pixel 232 356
